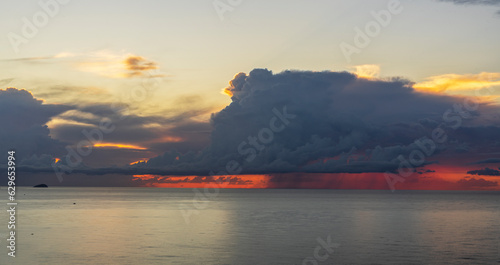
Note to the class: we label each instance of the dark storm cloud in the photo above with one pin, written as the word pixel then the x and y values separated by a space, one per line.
pixel 23 127
pixel 485 172
pixel 360 125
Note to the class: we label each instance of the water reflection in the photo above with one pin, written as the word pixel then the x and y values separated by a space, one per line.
pixel 146 226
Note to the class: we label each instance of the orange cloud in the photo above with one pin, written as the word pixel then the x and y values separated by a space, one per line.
pixel 227 91
pixel 171 139
pixel 116 145
pixel 138 161
pixel 114 65
pixel 232 85
pixel 144 177
pixel 137 64
pixel 455 82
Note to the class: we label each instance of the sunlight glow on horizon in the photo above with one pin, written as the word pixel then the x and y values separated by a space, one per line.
pixel 116 145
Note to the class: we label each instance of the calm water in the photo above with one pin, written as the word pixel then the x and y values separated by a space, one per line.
pixel 175 226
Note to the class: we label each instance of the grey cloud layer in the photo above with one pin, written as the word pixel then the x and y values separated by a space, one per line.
pixel 475 2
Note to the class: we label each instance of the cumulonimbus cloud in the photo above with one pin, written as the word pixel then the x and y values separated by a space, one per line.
pixel 341 124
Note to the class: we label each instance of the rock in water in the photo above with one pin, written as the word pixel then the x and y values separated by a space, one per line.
pixel 41 186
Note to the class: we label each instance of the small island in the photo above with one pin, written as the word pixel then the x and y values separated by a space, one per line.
pixel 41 186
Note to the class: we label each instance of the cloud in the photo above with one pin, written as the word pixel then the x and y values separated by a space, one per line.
pixel 116 65
pixel 454 82
pixel 343 124
pixel 132 129
pixel 30 59
pixel 324 122
pixel 474 2
pixel 476 183
pixel 5 82
pixel 367 70
pixel 136 65
pixel 34 127
pixel 133 138
pixel 104 63
pixel 485 172
pixel 24 127
pixel 227 180
pixel 42 58
pixel 36 161
pixel 487 161
pixel 81 94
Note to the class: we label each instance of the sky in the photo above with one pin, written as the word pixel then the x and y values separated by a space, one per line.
pixel 252 94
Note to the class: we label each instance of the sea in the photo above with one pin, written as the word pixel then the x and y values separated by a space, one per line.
pixel 87 225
